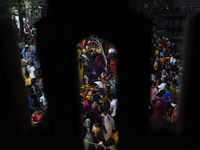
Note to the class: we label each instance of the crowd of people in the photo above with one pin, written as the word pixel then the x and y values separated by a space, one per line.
pixel 32 75
pixel 165 78
pixel 98 87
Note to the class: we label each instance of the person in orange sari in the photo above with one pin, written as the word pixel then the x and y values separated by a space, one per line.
pixel 36 116
pixel 113 65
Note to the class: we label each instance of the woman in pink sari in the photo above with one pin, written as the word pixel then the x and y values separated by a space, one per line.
pixel 154 90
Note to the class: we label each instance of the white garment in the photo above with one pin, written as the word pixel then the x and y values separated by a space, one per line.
pixel 85 63
pixel 109 124
pixel 174 61
pixel 153 77
pixel 31 73
pixel 164 76
pixel 171 59
pixel 28 68
pixel 86 79
pixel 161 86
pixel 114 105
pixel 99 83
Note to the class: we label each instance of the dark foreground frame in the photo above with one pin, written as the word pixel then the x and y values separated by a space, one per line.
pixel 58 34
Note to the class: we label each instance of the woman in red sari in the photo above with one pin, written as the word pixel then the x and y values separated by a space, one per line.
pixel 36 116
pixel 113 65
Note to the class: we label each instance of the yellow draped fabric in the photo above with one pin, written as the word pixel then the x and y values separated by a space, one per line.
pixel 79 53
pixel 96 130
pixel 80 72
pixel 116 137
pixel 27 81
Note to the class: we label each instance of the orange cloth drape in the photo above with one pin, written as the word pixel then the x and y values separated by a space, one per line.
pixel 113 66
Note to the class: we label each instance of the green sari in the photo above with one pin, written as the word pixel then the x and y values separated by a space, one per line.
pixel 173 91
pixel 44 109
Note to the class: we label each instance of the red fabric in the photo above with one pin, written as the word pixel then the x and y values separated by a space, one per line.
pixel 157 108
pixel 26 28
pixel 34 118
pixel 113 66
pixel 95 111
pixel 93 136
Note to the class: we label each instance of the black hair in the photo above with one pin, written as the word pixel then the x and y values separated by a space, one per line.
pixel 100 137
pixel 94 92
pixel 26 49
pixel 113 96
pixel 32 63
pixel 33 81
pixel 169 84
pixel 108 87
pixel 91 147
pixel 37 109
pixel 89 102
pixel 105 109
pixel 100 148
pixel 96 120
pixel 87 115
pixel 162 92
pixel 174 82
pixel 92 102
pixel 165 80
pixel 111 141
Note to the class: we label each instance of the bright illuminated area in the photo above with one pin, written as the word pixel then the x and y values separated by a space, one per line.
pixel 97 63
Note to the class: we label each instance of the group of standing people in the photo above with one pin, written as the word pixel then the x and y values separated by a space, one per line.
pixel 98 100
pixel 32 75
pixel 166 78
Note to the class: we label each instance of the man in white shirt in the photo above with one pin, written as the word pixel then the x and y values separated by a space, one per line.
pixel 32 73
pixel 113 108
pixel 43 101
pixel 162 85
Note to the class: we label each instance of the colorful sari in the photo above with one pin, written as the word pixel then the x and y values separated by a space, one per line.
pixel 95 131
pixel 174 115
pixel 89 95
pixel 36 118
pixel 109 124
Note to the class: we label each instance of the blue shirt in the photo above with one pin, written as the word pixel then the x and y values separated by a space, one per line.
pixel 161 54
pixel 30 100
pixel 37 65
pixel 23 53
pixel 166 97
pixel 33 58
